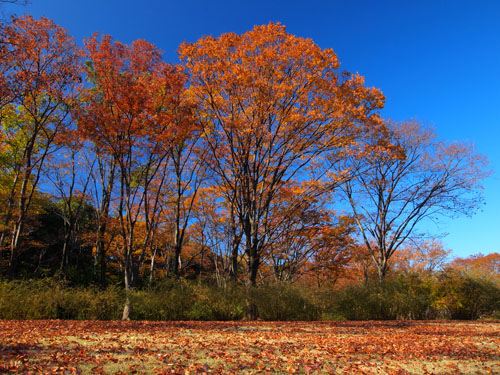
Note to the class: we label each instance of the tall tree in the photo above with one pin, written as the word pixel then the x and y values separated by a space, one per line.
pixel 188 171
pixel 270 104
pixel 40 72
pixel 101 168
pixel 71 183
pixel 128 112
pixel 403 176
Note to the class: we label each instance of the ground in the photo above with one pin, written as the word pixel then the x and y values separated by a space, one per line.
pixel 403 347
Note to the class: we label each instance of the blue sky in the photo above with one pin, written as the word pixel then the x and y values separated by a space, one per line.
pixel 437 61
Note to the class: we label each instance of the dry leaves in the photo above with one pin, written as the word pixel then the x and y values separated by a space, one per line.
pixel 94 347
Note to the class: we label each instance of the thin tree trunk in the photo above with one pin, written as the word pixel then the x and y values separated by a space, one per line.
pixel 100 257
pixel 18 226
pixel 152 266
pixel 127 308
pixel 65 250
pixel 10 208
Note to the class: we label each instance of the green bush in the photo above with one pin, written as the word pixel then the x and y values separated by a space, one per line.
pixel 28 300
pixel 282 301
pixel 214 303
pixel 53 299
pixel 169 300
pixel 406 297
pixel 411 296
pixel 90 304
pixel 360 302
pixel 186 300
pixel 464 297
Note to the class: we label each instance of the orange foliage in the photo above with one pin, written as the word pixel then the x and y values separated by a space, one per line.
pixel 423 257
pixel 133 97
pixel 270 103
pixel 479 265
pixel 61 347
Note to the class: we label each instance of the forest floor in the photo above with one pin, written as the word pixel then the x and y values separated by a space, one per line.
pixel 115 347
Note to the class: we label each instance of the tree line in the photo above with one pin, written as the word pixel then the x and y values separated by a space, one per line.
pixel 254 158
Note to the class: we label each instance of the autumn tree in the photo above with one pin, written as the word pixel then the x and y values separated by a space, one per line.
pixel 188 172
pixel 71 183
pixel 297 227
pixel 270 103
pixel 176 185
pixel 219 232
pixel 335 251
pixel 40 73
pixel 478 265
pixel 128 114
pixel 403 176
pixel 307 237
pixel 422 257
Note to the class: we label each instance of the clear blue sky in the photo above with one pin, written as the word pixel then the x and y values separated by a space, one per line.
pixel 437 61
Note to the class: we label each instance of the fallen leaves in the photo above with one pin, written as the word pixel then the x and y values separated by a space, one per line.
pixel 96 347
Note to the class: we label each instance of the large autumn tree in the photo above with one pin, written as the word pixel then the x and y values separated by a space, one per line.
pixel 128 113
pixel 270 104
pixel 39 77
pixel 405 175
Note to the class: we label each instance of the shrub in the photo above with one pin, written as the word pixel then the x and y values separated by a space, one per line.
pixel 169 300
pixel 409 296
pixel 466 297
pixel 282 301
pixel 406 297
pixel 53 299
pixel 214 303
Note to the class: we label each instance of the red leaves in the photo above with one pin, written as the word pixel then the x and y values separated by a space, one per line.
pixel 133 96
pixel 63 347
pixel 39 58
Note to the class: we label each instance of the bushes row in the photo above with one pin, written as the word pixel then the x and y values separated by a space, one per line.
pixel 447 296
pixel 170 300
pixel 451 296
pixel 51 299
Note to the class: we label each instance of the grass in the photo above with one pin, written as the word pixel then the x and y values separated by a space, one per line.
pixel 92 347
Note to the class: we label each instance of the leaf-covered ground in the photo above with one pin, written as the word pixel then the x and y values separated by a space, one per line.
pixel 93 347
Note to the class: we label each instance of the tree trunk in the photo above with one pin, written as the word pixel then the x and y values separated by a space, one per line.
pixel 253 267
pixel 18 226
pixel 127 308
pixel 233 267
pixel 177 259
pixel 8 216
pixel 382 270
pixel 65 251
pixel 152 266
pixel 107 188
pixel 100 260
pixel 252 310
